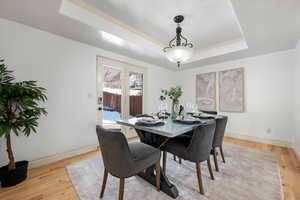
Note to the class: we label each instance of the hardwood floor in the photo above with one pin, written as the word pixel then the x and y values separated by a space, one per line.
pixel 52 181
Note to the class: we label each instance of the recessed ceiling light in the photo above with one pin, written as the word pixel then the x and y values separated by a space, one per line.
pixel 112 38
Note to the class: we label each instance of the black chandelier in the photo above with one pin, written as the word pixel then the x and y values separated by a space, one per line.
pixel 179 49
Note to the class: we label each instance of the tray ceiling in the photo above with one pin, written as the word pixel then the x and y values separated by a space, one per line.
pixel 220 29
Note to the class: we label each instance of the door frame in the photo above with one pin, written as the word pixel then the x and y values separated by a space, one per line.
pixel 125 68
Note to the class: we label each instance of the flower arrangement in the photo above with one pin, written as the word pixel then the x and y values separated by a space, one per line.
pixel 174 93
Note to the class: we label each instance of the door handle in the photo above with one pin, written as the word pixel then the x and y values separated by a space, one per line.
pixel 100 99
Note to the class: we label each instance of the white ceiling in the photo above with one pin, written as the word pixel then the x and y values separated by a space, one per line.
pixel 220 29
pixel 206 23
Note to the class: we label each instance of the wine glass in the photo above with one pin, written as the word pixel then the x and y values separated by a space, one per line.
pixel 163 108
pixel 188 107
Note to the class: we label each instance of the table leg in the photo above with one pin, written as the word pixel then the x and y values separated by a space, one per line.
pixel 165 185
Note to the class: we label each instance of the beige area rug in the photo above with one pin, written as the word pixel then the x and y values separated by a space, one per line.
pixel 247 174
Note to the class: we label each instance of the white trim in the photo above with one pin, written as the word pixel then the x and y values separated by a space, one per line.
pixel 262 140
pixel 60 156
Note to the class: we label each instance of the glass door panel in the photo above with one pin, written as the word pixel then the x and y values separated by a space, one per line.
pixel 120 93
pixel 135 98
pixel 135 93
pixel 112 96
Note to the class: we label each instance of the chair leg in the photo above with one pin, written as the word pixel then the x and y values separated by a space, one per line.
pixel 198 168
pixel 157 169
pixel 174 157
pixel 179 160
pixel 222 154
pixel 121 188
pixel 104 183
pixel 215 159
pixel 210 170
pixel 164 161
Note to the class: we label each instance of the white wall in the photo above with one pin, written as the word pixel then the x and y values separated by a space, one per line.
pixel 268 96
pixel 296 99
pixel 67 69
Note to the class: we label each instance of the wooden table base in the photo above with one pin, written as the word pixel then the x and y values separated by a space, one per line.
pixel 165 185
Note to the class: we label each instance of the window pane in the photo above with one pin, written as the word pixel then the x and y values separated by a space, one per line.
pixel 112 94
pixel 135 93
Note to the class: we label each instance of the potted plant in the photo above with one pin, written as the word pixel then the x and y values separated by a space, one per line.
pixel 174 94
pixel 19 113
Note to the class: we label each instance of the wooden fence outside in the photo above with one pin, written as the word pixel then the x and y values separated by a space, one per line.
pixel 114 101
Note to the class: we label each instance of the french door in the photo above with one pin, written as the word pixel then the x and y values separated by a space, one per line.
pixel 120 91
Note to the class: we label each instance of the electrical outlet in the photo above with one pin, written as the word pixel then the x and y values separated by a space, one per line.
pixel 269 130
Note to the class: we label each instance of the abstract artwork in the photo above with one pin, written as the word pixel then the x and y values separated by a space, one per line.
pixel 231 90
pixel 206 91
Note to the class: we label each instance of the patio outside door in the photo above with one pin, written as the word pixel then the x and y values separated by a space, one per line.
pixel 120 91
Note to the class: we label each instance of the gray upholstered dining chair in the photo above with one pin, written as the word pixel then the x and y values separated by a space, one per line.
pixel 221 122
pixel 122 159
pixel 195 149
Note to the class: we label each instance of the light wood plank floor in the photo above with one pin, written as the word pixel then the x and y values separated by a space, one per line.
pixel 52 181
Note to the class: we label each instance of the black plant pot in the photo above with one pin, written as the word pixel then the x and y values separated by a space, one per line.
pixel 13 177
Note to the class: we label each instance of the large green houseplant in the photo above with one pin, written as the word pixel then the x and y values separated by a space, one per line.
pixel 19 114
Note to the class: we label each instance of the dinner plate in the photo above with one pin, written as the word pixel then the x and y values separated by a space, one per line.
pixel 146 121
pixel 159 123
pixel 187 121
pixel 205 116
pixel 194 113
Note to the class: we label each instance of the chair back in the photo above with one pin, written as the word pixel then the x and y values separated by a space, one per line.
pixel 115 152
pixel 201 142
pixel 221 122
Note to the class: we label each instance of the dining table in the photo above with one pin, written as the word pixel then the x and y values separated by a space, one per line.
pixel 157 136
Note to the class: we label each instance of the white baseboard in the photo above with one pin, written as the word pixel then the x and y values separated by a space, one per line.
pixel 262 140
pixel 60 156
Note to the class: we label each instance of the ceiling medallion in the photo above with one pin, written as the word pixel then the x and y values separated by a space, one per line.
pixel 179 49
